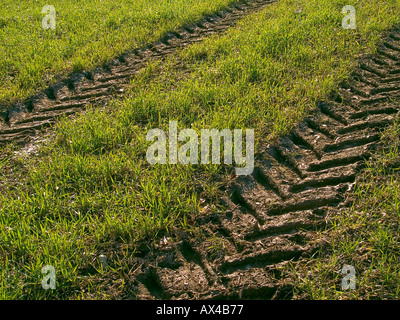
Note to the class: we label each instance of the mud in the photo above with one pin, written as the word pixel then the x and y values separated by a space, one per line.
pixel 272 216
pixel 21 121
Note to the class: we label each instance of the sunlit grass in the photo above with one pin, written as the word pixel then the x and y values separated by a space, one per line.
pixel 365 236
pixel 88 33
pixel 90 191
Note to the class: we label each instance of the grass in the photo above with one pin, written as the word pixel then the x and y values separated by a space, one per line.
pixel 365 236
pixel 88 191
pixel 88 33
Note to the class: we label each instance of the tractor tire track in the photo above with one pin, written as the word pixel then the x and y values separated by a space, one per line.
pixel 21 121
pixel 273 214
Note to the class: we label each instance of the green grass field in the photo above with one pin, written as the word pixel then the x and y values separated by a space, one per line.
pixel 89 190
pixel 87 34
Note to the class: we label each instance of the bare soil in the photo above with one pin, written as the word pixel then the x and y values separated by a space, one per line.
pixel 271 216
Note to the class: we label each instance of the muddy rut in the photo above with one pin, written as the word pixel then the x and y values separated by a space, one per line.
pixel 271 215
pixel 298 183
pixel 21 121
